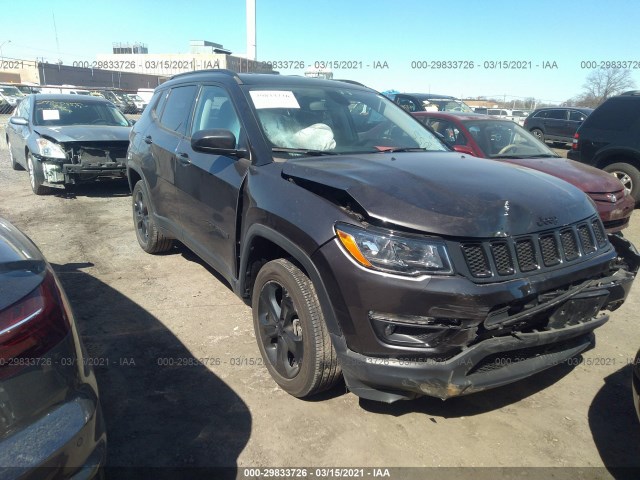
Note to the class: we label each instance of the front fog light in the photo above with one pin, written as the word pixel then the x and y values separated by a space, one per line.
pixel 388 251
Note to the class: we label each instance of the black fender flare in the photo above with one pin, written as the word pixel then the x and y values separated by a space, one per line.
pixel 300 256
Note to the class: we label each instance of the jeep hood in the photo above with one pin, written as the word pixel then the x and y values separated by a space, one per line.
pixel 445 193
pixel 586 178
pixel 85 133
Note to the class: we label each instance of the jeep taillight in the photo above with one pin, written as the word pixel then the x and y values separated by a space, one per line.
pixel 574 143
pixel 31 327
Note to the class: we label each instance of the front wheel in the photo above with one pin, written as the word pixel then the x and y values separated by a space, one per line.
pixel 15 165
pixel 147 232
pixel 628 175
pixel 291 331
pixel 36 176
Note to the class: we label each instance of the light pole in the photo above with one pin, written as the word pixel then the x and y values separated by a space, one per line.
pixel 1 44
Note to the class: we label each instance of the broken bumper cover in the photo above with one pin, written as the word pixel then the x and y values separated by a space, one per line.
pixel 492 363
pixel 493 346
pixel 495 361
pixel 57 174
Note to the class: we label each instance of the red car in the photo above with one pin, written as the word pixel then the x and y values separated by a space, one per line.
pixel 488 137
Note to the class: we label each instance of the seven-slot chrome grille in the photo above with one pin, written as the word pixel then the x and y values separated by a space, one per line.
pixel 500 258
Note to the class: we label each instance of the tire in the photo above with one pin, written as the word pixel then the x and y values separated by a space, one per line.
pixel 536 132
pixel 628 175
pixel 36 176
pixel 291 332
pixel 147 232
pixel 15 165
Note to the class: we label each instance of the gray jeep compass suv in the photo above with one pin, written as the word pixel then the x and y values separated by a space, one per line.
pixel 365 247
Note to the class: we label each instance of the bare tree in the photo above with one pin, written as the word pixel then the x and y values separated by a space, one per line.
pixel 604 83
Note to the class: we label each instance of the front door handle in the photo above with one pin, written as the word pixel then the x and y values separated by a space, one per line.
pixel 184 158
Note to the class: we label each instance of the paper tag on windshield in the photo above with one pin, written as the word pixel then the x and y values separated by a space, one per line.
pixel 273 99
pixel 50 114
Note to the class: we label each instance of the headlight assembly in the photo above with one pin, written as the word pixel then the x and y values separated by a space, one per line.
pixel 49 149
pixel 387 251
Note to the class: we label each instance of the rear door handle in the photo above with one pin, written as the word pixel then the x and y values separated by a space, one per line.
pixel 148 140
pixel 184 158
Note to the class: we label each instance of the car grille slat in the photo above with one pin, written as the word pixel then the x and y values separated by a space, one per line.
pixel 569 245
pixel 502 258
pixel 526 254
pixel 588 245
pixel 598 230
pixel 476 260
pixel 494 258
pixel 550 251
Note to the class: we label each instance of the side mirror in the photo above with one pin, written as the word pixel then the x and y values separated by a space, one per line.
pixel 218 141
pixel 464 149
pixel 18 121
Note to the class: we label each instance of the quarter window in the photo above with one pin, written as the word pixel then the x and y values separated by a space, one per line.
pixel 175 115
pixel 577 116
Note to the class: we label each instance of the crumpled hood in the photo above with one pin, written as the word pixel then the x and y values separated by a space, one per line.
pixel 585 177
pixel 85 133
pixel 446 193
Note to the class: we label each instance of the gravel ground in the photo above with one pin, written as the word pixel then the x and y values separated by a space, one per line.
pixel 147 319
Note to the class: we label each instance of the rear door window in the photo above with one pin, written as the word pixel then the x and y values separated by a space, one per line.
pixel 557 114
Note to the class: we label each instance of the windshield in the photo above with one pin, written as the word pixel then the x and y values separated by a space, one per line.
pixel 122 97
pixel 506 139
pixel 60 113
pixel 11 91
pixel 332 120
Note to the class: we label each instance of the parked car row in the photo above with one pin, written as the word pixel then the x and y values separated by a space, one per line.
pixel 517 116
pixel 128 103
pixel 10 96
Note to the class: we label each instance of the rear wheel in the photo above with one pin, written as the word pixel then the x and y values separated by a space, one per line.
pixel 291 331
pixel 536 132
pixel 147 232
pixel 628 175
pixel 36 176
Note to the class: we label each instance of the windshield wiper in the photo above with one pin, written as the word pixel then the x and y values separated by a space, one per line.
pixel 400 149
pixel 524 157
pixel 304 151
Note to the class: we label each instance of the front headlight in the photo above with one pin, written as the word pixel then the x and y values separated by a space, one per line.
pixel 388 251
pixel 49 149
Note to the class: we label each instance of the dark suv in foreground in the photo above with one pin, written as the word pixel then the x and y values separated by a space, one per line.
pixel 610 139
pixel 370 252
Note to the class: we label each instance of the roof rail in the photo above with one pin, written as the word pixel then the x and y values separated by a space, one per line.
pixel 631 92
pixel 224 71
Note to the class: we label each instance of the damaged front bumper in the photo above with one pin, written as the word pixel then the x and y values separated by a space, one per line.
pixel 505 345
pixel 83 164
